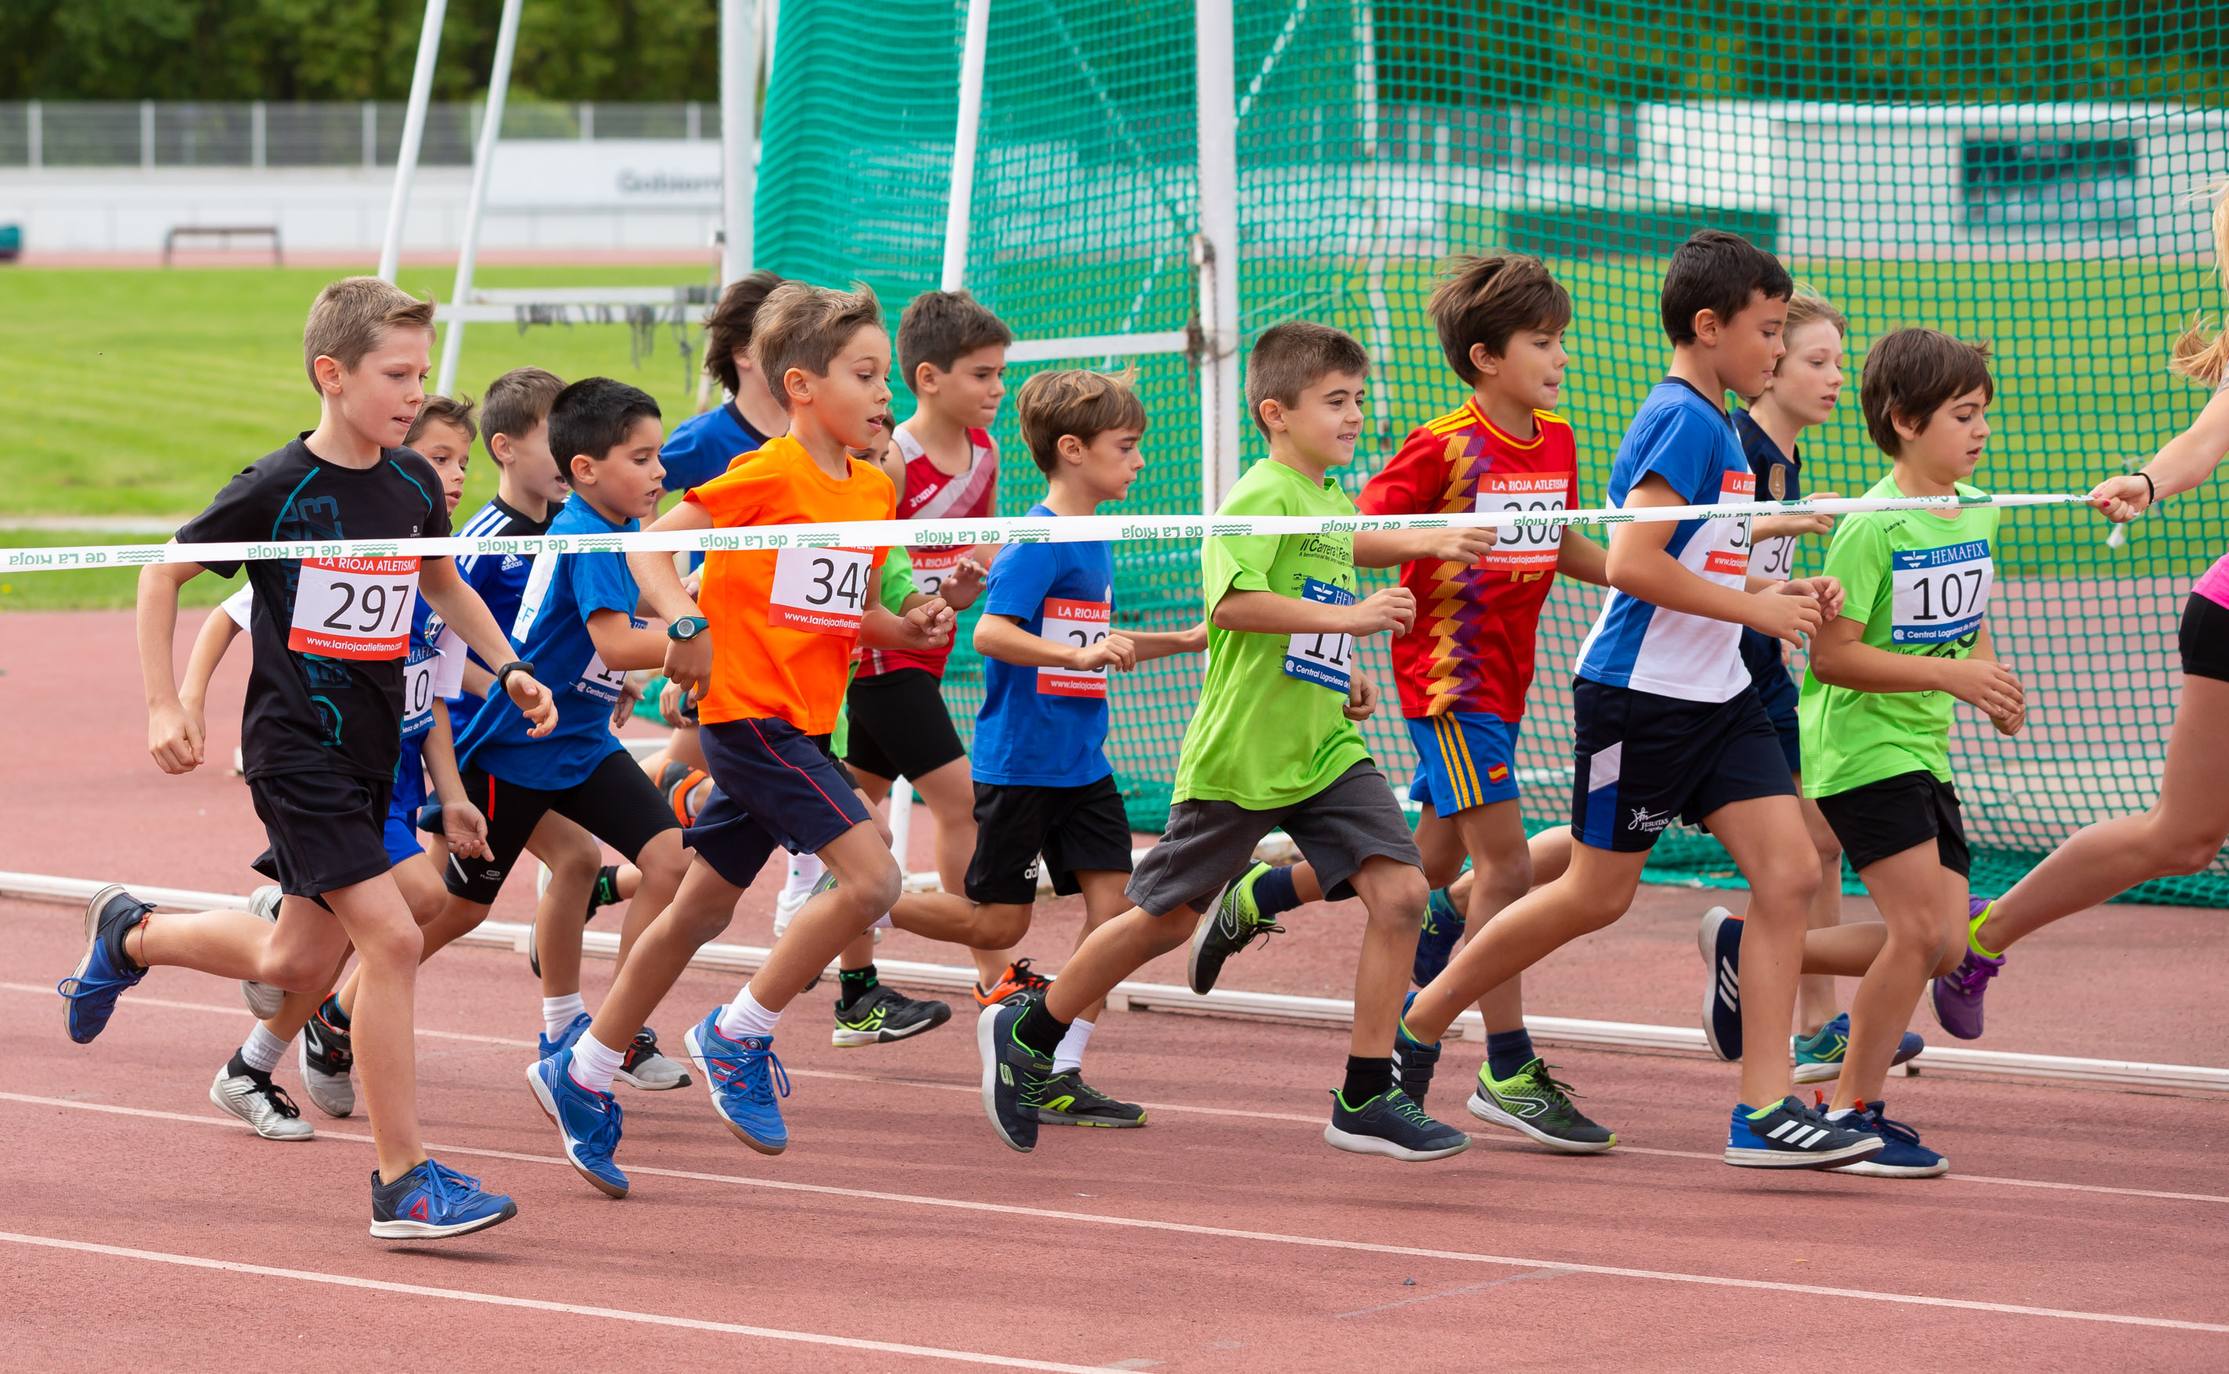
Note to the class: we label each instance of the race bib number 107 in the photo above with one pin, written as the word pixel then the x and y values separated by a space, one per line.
pixel 1939 595
pixel 353 607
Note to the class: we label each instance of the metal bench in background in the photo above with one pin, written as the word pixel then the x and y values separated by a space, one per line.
pixel 224 234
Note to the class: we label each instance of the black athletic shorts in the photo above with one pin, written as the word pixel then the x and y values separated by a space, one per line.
pixel 1885 818
pixel 2205 638
pixel 617 803
pixel 899 727
pixel 327 830
pixel 1643 760
pixel 1076 829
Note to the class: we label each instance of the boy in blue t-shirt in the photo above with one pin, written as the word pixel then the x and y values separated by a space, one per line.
pixel 1044 791
pixel 701 447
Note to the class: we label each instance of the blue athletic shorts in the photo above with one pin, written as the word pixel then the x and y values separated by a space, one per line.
pixel 1642 761
pixel 1464 759
pixel 798 797
pixel 1776 691
pixel 402 808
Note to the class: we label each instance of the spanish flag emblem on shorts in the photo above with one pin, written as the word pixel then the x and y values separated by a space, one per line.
pixel 1498 773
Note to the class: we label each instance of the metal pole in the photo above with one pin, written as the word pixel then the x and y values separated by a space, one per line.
pixel 1215 250
pixel 258 134
pixel 147 133
pixel 413 130
pixel 739 67
pixel 960 209
pixel 34 128
pixel 483 163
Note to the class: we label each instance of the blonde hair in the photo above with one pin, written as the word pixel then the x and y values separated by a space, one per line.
pixel 352 316
pixel 1808 306
pixel 804 326
pixel 2197 354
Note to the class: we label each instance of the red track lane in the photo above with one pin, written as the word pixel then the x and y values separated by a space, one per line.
pixel 953 1241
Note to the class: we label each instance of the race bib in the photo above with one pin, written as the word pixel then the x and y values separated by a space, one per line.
pixel 1731 556
pixel 1532 548
pixel 418 690
pixel 1776 558
pixel 820 591
pixel 1324 659
pixel 354 607
pixel 931 568
pixel 1938 595
pixel 1082 624
pixel 599 682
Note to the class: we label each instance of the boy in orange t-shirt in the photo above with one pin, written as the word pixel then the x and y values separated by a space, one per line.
pixel 766 651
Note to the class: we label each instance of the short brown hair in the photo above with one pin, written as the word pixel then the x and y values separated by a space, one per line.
pixel 1074 401
pixel 1910 373
pixel 802 326
pixel 443 410
pixel 352 316
pixel 1289 358
pixel 1485 301
pixel 727 329
pixel 941 327
pixel 516 402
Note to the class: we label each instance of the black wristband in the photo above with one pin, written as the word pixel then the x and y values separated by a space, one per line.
pixel 2152 487
pixel 502 674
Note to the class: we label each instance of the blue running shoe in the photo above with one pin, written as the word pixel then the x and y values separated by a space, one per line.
pixel 1435 944
pixel 588 1120
pixel 544 1047
pixel 434 1202
pixel 1901 1156
pixel 1720 941
pixel 743 1077
pixel 89 995
pixel 1819 1057
pixel 1790 1135
pixel 1016 1079
pixel 1413 1060
pixel 1393 1126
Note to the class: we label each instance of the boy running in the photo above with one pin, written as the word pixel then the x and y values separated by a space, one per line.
pixel 322 730
pixel 1273 743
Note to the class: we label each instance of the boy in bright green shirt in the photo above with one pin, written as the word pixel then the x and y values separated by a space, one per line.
pixel 1273 744
pixel 1875 711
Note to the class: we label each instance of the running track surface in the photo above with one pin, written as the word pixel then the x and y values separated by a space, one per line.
pixel 2082 1227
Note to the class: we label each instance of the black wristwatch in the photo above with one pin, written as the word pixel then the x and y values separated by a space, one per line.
pixel 687 628
pixel 503 674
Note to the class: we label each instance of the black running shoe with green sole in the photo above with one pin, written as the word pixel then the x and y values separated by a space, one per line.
pixel 1230 926
pixel 1069 1101
pixel 1014 1075
pixel 883 1014
pixel 1531 1101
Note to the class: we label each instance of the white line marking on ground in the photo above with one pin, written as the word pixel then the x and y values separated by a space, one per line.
pixel 1498 1138
pixel 1183 1228
pixel 422 1290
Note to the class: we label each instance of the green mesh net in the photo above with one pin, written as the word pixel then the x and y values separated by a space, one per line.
pixel 2051 214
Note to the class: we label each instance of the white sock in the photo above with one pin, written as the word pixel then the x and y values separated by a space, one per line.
pixel 1070 1054
pixel 745 1017
pixel 262 1050
pixel 593 1065
pixel 1838 1113
pixel 804 871
pixel 558 1013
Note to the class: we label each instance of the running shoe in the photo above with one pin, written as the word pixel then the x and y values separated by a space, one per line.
pixel 1533 1102
pixel 589 1121
pixel 743 1077
pixel 1067 1100
pixel 1234 923
pixel 1791 1135
pixel 1819 1056
pixel 434 1202
pixel 1015 1077
pixel 251 1096
pixel 883 1014
pixel 1719 939
pixel 1393 1126
pixel 1435 944
pixel 263 999
pixel 327 1061
pixel 601 893
pixel 544 1046
pixel 1413 1060
pixel 1956 996
pixel 89 994
pixel 646 1068
pixel 1901 1156
pixel 1019 981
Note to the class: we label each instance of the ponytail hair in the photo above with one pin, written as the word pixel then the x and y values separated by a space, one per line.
pixel 2199 354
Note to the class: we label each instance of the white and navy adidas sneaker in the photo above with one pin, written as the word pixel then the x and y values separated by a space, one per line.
pixel 1790 1135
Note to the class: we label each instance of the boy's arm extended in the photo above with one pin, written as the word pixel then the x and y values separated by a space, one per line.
pixel 462 610
pixel 1152 644
pixel 1639 565
pixel 1003 638
pixel 924 626
pixel 174 731
pixel 1392 548
pixel 216 636
pixel 621 645
pixel 1267 613
pixel 462 825
pixel 1840 658
pixel 1583 560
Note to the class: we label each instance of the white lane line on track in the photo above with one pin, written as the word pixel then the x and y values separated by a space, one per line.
pixel 1183 1228
pixel 423 1290
pixel 1496 1138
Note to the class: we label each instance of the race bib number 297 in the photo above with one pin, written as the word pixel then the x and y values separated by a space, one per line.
pixel 353 607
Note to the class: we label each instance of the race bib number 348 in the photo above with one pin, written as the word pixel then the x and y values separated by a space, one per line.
pixel 353 607
pixel 1939 595
pixel 820 591
pixel 1324 659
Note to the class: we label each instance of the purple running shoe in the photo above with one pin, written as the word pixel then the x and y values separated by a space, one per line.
pixel 1956 996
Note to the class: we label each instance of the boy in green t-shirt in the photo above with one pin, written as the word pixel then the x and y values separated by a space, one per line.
pixel 1875 711
pixel 1272 744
